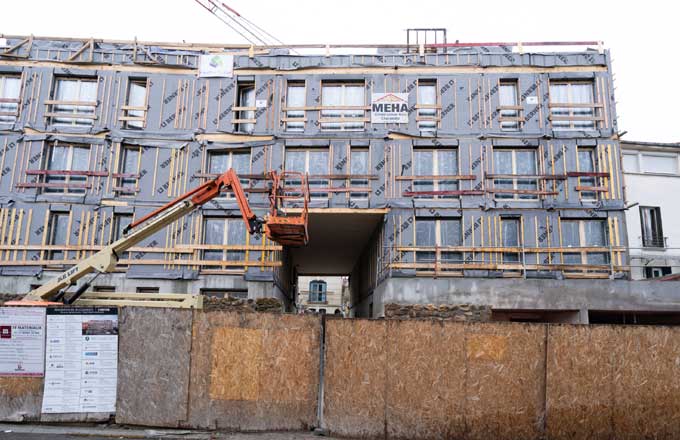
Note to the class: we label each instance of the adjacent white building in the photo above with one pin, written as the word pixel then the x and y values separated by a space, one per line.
pixel 652 187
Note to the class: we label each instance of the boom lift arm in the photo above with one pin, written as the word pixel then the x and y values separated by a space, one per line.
pixel 106 259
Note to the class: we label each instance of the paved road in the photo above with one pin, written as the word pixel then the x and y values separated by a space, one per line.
pixel 215 436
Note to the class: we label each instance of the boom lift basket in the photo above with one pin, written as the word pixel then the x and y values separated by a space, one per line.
pixel 289 190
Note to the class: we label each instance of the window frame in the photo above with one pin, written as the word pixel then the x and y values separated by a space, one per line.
pixel 656 240
pixel 428 121
pixel 69 174
pixel 75 118
pixel 290 113
pixel 515 196
pixel 436 183
pixel 318 296
pixel 51 239
pixel 226 254
pixel 8 101
pixel 445 257
pixel 344 120
pixel 584 241
pixel 244 115
pixel 512 257
pixel 361 183
pixel 313 195
pixel 122 175
pixel 584 195
pixel 245 182
pixel 132 115
pixel 572 107
pixel 510 115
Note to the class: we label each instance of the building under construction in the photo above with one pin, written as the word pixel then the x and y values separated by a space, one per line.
pixel 447 172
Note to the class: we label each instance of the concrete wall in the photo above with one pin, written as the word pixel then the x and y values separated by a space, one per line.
pixel 519 294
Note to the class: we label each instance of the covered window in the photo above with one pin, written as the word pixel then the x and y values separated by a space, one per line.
pixel 221 231
pixel 652 231
pixel 431 167
pixel 427 105
pixel 220 161
pixel 314 162
pixel 584 233
pixel 572 105
pixel 295 106
pixel 343 106
pixel 509 105
pixel 630 163
pixel 511 236
pixel 57 234
pixel 245 108
pixel 128 169
pixel 73 102
pixel 439 232
pixel 660 163
pixel 134 111
pixel 120 222
pixel 587 163
pixel 358 163
pixel 317 291
pixel 657 272
pixel 66 168
pixel 515 162
pixel 10 94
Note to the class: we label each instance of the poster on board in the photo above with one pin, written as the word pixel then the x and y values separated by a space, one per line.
pixel 216 66
pixel 81 360
pixel 22 341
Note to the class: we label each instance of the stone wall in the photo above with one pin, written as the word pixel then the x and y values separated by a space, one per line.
pixel 444 312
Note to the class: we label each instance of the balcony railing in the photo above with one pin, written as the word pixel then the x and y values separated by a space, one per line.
pixel 655 241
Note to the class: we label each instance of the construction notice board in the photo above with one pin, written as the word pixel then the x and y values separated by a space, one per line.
pixel 81 360
pixel 22 341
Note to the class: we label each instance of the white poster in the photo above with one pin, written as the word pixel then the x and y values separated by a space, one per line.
pixel 389 108
pixel 22 341
pixel 216 66
pixel 81 360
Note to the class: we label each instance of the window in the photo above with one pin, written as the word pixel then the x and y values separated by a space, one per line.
pixel 103 289
pixel 220 161
pixel 245 108
pixel 66 168
pixel 662 164
pixel 295 103
pixel 427 105
pixel 572 105
pixel 317 291
pixel 220 231
pixel 358 163
pixel 73 102
pixel 315 163
pixel 442 232
pixel 10 92
pixel 57 234
pixel 657 272
pixel 584 233
pixel 434 166
pixel 148 290
pixel 128 169
pixel 343 106
pixel 652 232
pixel 120 222
pixel 630 163
pixel 509 105
pixel 134 111
pixel 586 162
pixel 511 162
pixel 511 237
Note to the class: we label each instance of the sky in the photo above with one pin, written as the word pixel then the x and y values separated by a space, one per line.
pixel 636 33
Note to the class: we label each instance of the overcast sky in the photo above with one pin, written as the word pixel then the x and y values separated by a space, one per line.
pixel 642 36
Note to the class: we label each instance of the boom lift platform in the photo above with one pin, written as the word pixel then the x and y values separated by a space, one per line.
pixel 289 230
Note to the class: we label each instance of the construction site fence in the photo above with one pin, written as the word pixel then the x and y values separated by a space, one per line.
pixel 397 379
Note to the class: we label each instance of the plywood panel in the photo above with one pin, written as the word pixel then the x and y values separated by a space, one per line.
pixel 20 398
pixel 646 382
pixel 153 366
pixel 254 371
pixel 505 381
pixel 580 382
pixel 425 380
pixel 355 377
